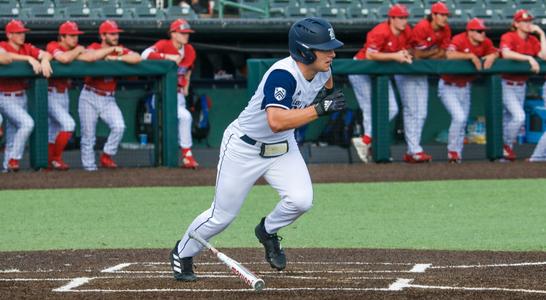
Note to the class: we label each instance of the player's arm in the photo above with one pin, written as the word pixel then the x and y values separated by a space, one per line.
pixel 69 56
pixel 281 119
pixel 402 56
pixel 130 58
pixel 187 87
pixel 90 55
pixel 431 53
pixel 509 54
pixel 153 54
pixel 4 58
pixel 45 61
pixel 36 66
pixel 489 59
pixel 457 55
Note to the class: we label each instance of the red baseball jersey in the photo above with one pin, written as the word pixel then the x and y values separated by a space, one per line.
pixel 424 37
pixel 381 39
pixel 187 52
pixel 12 85
pixel 61 84
pixel 107 84
pixel 529 46
pixel 461 43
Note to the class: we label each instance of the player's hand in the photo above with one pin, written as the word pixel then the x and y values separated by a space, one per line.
pixel 536 29
pixel 174 57
pixel 488 62
pixel 80 49
pixel 46 68
pixel 476 61
pixel 535 67
pixel 36 66
pixel 403 57
pixel 330 103
pixel 118 50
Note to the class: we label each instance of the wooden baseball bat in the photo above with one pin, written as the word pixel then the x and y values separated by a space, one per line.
pixel 236 268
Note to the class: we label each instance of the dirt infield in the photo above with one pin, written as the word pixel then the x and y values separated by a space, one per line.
pixel 132 177
pixel 310 274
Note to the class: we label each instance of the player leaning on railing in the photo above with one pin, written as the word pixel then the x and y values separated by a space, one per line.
pixel 518 44
pixel 454 90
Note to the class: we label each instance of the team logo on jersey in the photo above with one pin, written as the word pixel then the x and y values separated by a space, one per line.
pixel 280 93
pixel 429 39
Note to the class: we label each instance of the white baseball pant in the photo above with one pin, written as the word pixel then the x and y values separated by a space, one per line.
pixel 414 96
pixel 19 125
pixel 539 154
pixel 362 86
pixel 59 118
pixel 513 97
pixel 457 102
pixel 239 167
pixel 92 107
pixel 184 123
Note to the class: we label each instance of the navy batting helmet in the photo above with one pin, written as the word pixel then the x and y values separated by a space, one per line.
pixel 311 34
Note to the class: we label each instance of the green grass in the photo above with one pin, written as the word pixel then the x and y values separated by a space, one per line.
pixel 464 215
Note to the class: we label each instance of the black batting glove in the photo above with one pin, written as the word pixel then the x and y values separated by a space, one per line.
pixel 330 103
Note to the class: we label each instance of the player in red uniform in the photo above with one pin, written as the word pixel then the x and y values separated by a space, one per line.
pixel 388 41
pixel 431 37
pixel 61 124
pixel 13 99
pixel 518 44
pixel 454 90
pixel 182 53
pixel 97 98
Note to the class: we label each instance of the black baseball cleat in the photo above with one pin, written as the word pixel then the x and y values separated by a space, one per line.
pixel 274 254
pixel 182 267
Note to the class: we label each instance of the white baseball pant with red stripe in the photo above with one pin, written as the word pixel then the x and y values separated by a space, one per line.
pixel 59 118
pixel 457 102
pixel 414 95
pixel 184 123
pixel 92 107
pixel 513 97
pixel 19 125
pixel 362 86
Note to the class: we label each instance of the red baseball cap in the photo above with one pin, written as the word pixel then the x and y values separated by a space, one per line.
pixel 109 26
pixel 181 25
pixel 476 24
pixel 439 8
pixel 522 15
pixel 16 26
pixel 398 10
pixel 69 27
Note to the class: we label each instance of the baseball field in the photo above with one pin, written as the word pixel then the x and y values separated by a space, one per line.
pixel 375 231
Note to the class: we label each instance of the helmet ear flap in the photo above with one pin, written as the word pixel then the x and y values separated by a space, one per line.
pixel 309 56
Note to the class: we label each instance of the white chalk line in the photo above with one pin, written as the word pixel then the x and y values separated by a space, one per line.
pixel 478 289
pixel 420 268
pixel 74 283
pixel 35 279
pixel 523 264
pixel 291 262
pixel 276 273
pixel 115 268
pixel 227 290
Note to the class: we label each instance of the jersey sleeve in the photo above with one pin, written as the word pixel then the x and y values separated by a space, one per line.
pixel 189 57
pixel 33 51
pixel 444 44
pixel 419 37
pixel 54 49
pixel 375 41
pixel 456 44
pixel 536 46
pixel 489 48
pixel 155 51
pixel 506 43
pixel 279 88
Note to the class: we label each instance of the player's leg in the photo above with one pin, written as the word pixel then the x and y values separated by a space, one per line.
pixel 393 106
pixel 514 115
pixel 19 127
pixel 363 93
pixel 88 123
pixel 451 97
pixel 290 177
pixel 62 126
pixel 184 134
pixel 414 96
pixel 112 116
pixel 239 167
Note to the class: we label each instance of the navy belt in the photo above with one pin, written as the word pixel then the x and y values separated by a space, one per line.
pixel 248 140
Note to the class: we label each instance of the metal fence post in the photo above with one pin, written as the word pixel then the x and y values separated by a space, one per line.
pixel 37 108
pixel 493 118
pixel 381 141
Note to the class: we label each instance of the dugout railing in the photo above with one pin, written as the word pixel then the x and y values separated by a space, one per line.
pixel 380 73
pixel 166 146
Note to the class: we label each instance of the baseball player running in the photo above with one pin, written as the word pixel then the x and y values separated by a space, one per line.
pixel 431 38
pixel 454 90
pixel 61 124
pixel 13 99
pixel 387 41
pixel 97 98
pixel 518 44
pixel 260 142
pixel 178 50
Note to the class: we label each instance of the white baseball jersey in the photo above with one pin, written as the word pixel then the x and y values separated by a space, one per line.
pixel 240 164
pixel 283 85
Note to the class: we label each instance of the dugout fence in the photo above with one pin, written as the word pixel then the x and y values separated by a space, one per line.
pixel 165 129
pixel 381 72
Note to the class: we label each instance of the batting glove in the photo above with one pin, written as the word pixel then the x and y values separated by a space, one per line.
pixel 330 103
